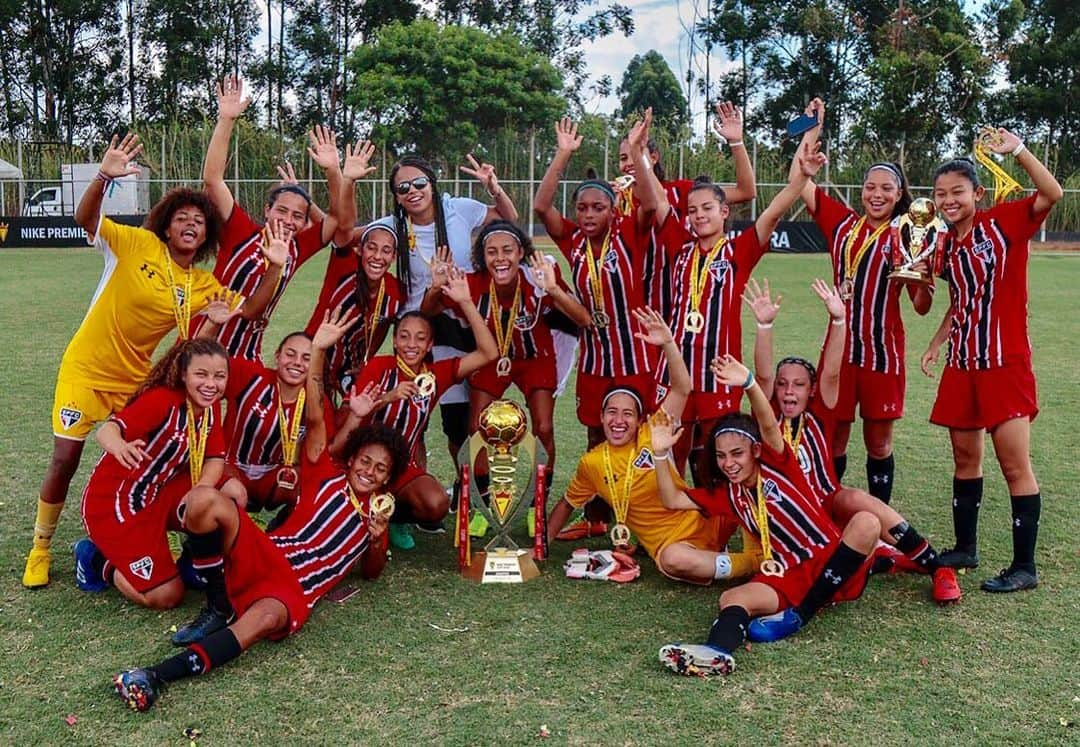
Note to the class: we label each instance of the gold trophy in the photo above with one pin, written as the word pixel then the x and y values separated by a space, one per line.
pixel 917 236
pixel 504 439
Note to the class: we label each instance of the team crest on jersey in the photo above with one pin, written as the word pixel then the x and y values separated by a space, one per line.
pixel 803 459
pixel 143 567
pixel 69 416
pixel 525 321
pixel 771 490
pixel 644 459
pixel 719 269
pixel 984 249
pixel 661 392
pixel 611 261
pixel 180 295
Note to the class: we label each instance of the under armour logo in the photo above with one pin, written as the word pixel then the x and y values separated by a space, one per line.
pixel 885 480
pixel 832 577
pixel 1016 522
pixel 195 664
pixel 891 407
pixel 145 270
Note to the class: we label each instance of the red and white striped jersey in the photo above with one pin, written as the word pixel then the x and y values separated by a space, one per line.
pixel 159 417
pixel 409 417
pixel 875 339
pixel 813 433
pixel 721 297
pixel 611 351
pixel 240 266
pixel 987 276
pixel 340 286
pixel 655 268
pixel 798 527
pixel 324 535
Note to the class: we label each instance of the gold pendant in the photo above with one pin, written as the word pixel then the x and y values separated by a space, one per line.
pixel 620 535
pixel 382 505
pixel 287 478
pixel 772 567
pixel 425 382
pixel 847 290
pixel 695 322
pixel 600 319
pixel 502 368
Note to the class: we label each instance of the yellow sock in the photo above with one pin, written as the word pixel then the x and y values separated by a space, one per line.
pixel 746 563
pixel 48 514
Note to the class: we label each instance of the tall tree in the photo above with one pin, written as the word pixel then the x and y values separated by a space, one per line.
pixel 439 90
pixel 648 81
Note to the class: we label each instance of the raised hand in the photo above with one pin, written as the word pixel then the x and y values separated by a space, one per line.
pixel 323 149
pixel 654 330
pixel 998 140
pixel 131 453
pixel 729 371
pixel 404 390
pixel 357 158
pixel 334 326
pixel 761 305
pixel 816 108
pixel 441 264
pixel 830 296
pixel 287 174
pixel 484 172
pixel 639 133
pixel 220 309
pixel 363 403
pixel 566 136
pixel 230 98
pixel 275 245
pixel 543 272
pixel 663 431
pixel 457 286
pixel 119 158
pixel 811 159
pixel 729 122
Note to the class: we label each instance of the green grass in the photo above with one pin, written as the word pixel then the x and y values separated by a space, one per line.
pixel 577 656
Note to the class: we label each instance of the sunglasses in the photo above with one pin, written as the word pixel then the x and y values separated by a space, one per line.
pixel 403 188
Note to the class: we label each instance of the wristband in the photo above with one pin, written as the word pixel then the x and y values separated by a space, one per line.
pixel 1018 150
pixel 764 326
pixel 838 322
pixel 735 144
pixel 666 455
pixel 749 380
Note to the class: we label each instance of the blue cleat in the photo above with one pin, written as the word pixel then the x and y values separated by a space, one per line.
pixel 696 659
pixel 208 621
pixel 86 578
pixel 139 688
pixel 771 628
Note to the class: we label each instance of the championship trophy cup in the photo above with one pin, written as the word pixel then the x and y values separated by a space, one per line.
pixel 917 236
pixel 517 466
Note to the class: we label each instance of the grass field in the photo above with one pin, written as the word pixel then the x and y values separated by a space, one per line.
pixel 390 665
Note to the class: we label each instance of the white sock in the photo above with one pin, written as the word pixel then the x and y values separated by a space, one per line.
pixel 723 566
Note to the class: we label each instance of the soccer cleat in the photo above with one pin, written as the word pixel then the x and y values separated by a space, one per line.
pixel 85 577
pixel 192 578
pixel 208 621
pixel 401 537
pixel 1011 579
pixel 958 557
pixel 478 525
pixel 36 574
pixel 946 588
pixel 696 660
pixel 582 530
pixel 139 688
pixel 777 627
pixel 431 527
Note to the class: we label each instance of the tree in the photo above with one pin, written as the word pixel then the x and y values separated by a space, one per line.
pixel 648 81
pixel 438 90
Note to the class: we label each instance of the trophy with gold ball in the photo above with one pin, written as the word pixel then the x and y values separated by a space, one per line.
pixel 918 236
pixel 516 465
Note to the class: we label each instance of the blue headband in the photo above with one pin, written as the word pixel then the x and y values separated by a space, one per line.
pixel 596 184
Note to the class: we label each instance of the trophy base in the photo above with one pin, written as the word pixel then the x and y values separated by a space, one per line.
pixel 501 566
pixel 909 276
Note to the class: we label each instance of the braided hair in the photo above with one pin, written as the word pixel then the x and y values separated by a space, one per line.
pixel 401 221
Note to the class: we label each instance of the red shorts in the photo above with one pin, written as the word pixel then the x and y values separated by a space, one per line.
pixel 590 391
pixel 263 492
pixel 410 473
pixel 969 400
pixel 527 375
pixel 880 396
pixel 796 582
pixel 138 547
pixel 705 406
pixel 255 568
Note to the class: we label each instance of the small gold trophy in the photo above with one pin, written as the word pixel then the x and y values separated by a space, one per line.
pixel 918 235
pixel 503 439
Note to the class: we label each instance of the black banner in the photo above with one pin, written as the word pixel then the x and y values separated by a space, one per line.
pixel 50 232
pixel 795 237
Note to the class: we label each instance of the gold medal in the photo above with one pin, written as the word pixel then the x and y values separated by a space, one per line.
pixel 695 321
pixel 382 505
pixel 772 567
pixel 425 382
pixel 503 337
pixel 596 281
pixel 287 478
pixel 600 319
pixel 620 535
pixel 769 566
pixel 847 290
pixel 290 437
pixel 852 262
pixel 502 367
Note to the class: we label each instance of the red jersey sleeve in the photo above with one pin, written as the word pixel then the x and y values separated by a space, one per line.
pixel 784 461
pixel 446 374
pixel 566 243
pixel 672 235
pixel 1018 219
pixel 241 372
pixel 238 228
pixel 148 409
pixel 309 242
pixel 828 215
pixel 748 251
pixel 711 502
pixel 216 447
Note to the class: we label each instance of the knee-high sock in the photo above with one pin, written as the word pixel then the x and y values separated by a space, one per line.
pixel 967 497
pixel 199 658
pixel 48 515
pixel 728 630
pixel 1025 529
pixel 845 561
pixel 911 543
pixel 879 477
pixel 208 562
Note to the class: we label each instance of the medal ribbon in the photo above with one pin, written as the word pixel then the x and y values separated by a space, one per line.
pixel 792 439
pixel 290 430
pixel 196 441
pixel 405 369
pixel 851 264
pixel 354 500
pixel 504 338
pixel 181 311
pixel 1004 185
pixel 373 320
pixel 592 264
pixel 698 274
pixel 761 515
pixel 620 499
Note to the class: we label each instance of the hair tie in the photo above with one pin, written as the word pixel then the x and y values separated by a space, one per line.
pixel 741 432
pixel 886 166
pixel 623 390
pixel 596 184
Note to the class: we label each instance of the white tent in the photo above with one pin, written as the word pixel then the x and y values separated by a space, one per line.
pixel 9 171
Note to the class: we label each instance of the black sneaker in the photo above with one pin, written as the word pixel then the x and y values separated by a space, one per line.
pixel 1011 579
pixel 139 688
pixel 431 527
pixel 208 621
pixel 958 557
